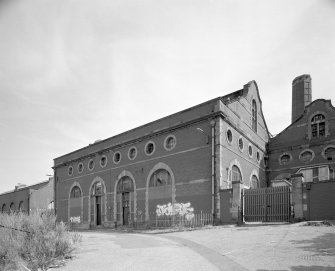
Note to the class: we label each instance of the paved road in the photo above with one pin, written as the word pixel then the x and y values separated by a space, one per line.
pixel 289 247
pixel 122 251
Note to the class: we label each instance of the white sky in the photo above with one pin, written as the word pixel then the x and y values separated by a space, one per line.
pixel 73 71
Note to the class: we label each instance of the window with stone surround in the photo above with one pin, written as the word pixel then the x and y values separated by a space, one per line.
pixel 318 126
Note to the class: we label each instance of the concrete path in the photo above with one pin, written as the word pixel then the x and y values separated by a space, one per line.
pixel 123 251
pixel 255 248
pixel 290 247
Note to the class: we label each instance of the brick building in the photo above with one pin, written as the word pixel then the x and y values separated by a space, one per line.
pixel 29 198
pixel 200 158
pixel 307 146
pixel 200 161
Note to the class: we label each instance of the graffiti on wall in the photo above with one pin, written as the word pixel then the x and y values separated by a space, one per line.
pixel 182 209
pixel 75 219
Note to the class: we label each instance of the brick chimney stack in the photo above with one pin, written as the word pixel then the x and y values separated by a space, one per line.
pixel 301 95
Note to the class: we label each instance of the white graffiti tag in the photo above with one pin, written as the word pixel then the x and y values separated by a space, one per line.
pixel 75 219
pixel 182 209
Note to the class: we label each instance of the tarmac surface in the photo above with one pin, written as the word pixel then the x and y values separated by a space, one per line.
pixel 250 247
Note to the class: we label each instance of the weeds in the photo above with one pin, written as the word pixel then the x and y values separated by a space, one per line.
pixel 37 243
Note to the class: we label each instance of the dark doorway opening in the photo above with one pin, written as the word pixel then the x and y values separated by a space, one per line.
pixel 98 209
pixel 125 206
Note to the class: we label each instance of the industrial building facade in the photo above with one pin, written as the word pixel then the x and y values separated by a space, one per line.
pixel 196 160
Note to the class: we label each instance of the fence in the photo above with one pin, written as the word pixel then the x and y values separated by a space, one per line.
pixel 165 221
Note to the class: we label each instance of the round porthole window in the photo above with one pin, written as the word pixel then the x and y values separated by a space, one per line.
pixel 240 144
pixel 170 142
pixel 250 150
pixel 117 157
pixel 103 161
pixel 229 136
pixel 91 164
pixel 132 153
pixel 306 156
pixel 70 170
pixel 149 148
pixel 80 167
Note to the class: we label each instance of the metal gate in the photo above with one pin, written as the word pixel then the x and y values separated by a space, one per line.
pixel 270 204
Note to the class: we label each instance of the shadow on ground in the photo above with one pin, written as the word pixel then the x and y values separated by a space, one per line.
pixel 303 268
pixel 323 245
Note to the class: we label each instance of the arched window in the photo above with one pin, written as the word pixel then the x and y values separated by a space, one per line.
pixel 97 189
pixel 318 126
pixel 12 207
pixel 75 192
pixel 235 176
pixel 160 177
pixel 254 115
pixel 125 184
pixel 3 208
pixel 285 159
pixel 21 206
pixel 254 183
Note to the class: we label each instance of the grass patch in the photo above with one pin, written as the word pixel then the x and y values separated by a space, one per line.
pixel 34 242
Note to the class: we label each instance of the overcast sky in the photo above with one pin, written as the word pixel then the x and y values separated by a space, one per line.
pixel 74 71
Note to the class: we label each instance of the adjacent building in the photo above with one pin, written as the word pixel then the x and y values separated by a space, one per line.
pixel 27 199
pixel 307 146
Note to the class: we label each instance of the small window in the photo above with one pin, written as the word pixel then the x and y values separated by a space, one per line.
pixel 97 188
pixel 306 156
pixel 117 157
pixel 150 148
pixel 12 207
pixel 75 192
pixel 229 136
pixel 3 208
pixel 132 153
pixel 170 142
pixel 329 153
pixel 80 167
pixel 91 164
pixel 250 150
pixel 103 161
pixel 70 170
pixel 240 144
pixel 285 159
pixel 258 157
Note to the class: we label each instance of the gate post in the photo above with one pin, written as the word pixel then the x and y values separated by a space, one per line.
pixel 297 196
pixel 236 204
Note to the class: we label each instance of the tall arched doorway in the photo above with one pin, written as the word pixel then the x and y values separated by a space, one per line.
pixel 125 204
pixel 97 210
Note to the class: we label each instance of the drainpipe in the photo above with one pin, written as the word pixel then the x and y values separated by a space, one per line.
pixel 212 122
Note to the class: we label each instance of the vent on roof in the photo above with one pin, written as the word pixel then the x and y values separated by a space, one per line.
pixel 19 186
